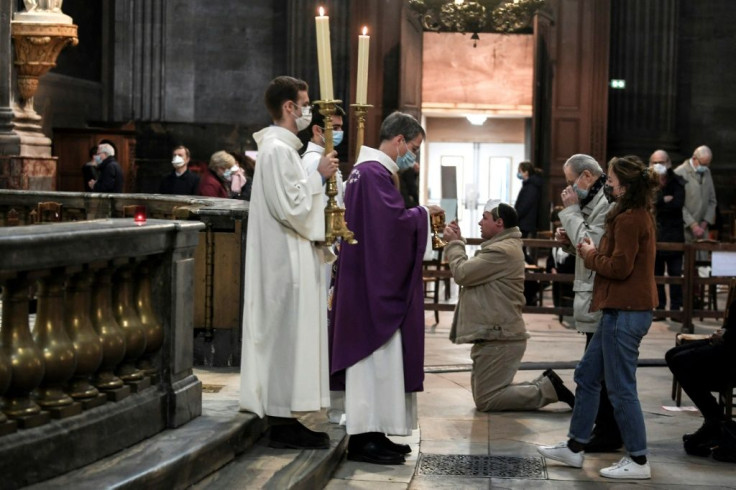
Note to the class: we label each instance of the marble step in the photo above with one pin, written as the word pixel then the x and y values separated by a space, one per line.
pixel 222 449
pixel 174 458
pixel 264 467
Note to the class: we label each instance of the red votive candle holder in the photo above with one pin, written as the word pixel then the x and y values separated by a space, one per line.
pixel 140 215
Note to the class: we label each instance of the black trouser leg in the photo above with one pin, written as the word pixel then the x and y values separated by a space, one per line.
pixel 701 367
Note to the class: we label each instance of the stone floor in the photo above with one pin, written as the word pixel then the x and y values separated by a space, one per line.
pixel 449 424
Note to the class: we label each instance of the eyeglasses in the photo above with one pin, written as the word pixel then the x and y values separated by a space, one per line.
pixel 655 162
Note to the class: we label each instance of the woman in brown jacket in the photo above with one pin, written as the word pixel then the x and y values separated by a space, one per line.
pixel 625 291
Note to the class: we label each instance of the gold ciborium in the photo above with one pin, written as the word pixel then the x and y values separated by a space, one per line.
pixel 438 226
pixel 335 226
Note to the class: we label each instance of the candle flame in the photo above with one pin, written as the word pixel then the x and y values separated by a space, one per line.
pixel 365 30
pixel 321 11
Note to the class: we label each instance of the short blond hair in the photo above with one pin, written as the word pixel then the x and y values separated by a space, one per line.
pixel 221 159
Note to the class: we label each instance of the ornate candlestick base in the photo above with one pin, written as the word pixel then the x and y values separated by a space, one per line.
pixel 335 225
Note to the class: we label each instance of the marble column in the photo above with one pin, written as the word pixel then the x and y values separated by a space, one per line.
pixel 642 116
pixel 37 36
pixel 9 141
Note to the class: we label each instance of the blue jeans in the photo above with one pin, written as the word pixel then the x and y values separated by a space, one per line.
pixel 612 355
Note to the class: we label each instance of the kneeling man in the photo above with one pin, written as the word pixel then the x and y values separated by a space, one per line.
pixel 488 314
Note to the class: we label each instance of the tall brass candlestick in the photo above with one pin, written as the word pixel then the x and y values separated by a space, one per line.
pixel 335 226
pixel 361 110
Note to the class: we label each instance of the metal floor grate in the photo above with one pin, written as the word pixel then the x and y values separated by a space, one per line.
pixel 482 466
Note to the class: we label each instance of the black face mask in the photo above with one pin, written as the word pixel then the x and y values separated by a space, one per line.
pixel 608 192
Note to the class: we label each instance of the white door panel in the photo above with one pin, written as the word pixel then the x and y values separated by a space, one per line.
pixel 483 171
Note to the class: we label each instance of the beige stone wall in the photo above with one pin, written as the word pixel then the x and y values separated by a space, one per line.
pixel 495 76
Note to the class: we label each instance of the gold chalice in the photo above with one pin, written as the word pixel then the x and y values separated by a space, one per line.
pixel 438 226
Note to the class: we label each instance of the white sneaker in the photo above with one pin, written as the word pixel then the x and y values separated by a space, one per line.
pixel 563 454
pixel 626 469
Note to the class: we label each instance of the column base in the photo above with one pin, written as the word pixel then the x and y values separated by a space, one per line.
pixel 28 173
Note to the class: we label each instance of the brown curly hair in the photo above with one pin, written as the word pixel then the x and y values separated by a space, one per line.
pixel 640 181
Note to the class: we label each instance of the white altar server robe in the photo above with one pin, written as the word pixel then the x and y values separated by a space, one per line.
pixel 284 366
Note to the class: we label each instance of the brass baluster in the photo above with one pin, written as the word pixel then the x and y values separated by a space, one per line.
pixel 109 332
pixel 87 344
pixel 6 371
pixel 25 356
pixel 127 318
pixel 154 331
pixel 58 350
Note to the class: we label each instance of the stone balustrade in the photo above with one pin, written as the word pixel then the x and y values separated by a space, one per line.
pixel 220 254
pixel 108 360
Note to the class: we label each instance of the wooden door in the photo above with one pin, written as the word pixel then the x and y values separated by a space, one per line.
pixel 72 146
pixel 410 64
pixel 541 114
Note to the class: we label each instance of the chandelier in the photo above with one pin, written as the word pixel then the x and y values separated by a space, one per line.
pixel 505 16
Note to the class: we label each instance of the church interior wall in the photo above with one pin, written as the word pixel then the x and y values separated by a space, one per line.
pixel 495 76
pixel 706 95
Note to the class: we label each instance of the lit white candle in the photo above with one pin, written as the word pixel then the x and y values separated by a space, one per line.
pixel 324 57
pixel 361 91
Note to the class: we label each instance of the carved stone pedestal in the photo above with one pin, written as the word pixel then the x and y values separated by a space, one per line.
pixel 28 173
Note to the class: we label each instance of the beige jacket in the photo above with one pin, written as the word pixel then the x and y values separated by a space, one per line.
pixel 491 289
pixel 700 198
pixel 588 222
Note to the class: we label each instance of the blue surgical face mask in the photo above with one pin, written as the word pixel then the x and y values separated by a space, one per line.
pixel 701 169
pixel 407 159
pixel 582 193
pixel 336 137
pixel 228 174
pixel 98 159
pixel 519 176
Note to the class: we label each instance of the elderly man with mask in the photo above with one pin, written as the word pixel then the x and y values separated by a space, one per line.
pixel 700 195
pixel 181 181
pixel 584 216
pixel 109 173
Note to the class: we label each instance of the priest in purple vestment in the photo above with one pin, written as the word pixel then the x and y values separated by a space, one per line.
pixel 377 316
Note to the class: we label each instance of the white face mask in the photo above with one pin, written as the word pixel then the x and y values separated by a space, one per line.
pixel 302 122
pixel 177 161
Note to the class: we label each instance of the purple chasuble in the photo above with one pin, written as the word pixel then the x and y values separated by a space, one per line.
pixel 378 286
